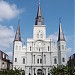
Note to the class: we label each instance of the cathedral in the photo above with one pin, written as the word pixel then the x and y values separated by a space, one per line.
pixel 40 53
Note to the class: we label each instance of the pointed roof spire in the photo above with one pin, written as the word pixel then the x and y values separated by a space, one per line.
pixel 18 36
pixel 39 10
pixel 61 34
pixel 39 18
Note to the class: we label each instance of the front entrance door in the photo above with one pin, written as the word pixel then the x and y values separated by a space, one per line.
pixel 39 72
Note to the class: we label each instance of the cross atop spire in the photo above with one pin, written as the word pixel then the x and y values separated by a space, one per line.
pixel 18 36
pixel 39 1
pixel 61 34
pixel 39 18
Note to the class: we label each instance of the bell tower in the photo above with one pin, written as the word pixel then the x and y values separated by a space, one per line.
pixel 61 44
pixel 17 47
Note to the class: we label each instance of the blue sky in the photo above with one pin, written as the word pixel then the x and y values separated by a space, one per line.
pixel 26 11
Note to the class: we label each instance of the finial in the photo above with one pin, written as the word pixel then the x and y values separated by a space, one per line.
pixel 60 20
pixel 39 2
pixel 19 22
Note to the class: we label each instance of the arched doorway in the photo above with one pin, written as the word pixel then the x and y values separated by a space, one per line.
pixel 39 72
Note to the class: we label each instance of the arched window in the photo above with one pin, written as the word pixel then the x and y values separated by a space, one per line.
pixel 23 60
pixel 63 59
pixel 45 59
pixel 63 47
pixel 48 48
pixel 19 47
pixel 41 35
pixel 38 61
pixel 30 48
pixel 15 59
pixel 58 47
pixel 16 47
pixel 39 49
pixel 55 61
pixel 34 59
pixel 37 35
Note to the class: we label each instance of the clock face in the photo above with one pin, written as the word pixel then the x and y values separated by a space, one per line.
pixel 40 44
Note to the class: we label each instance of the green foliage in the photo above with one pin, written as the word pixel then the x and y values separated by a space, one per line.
pixel 62 70
pixel 12 72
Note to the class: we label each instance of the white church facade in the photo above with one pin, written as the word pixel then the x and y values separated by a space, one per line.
pixel 40 53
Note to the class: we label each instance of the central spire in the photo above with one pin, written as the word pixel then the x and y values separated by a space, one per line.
pixel 39 10
pixel 39 18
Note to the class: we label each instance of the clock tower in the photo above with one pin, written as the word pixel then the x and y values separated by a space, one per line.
pixel 39 30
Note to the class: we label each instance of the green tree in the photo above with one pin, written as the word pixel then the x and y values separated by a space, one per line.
pixel 62 70
pixel 12 72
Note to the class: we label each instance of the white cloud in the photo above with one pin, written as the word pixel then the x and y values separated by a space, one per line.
pixel 8 11
pixel 69 50
pixel 9 54
pixel 69 39
pixel 6 36
pixel 53 36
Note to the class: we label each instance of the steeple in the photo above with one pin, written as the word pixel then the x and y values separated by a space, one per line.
pixel 39 18
pixel 61 34
pixel 18 36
